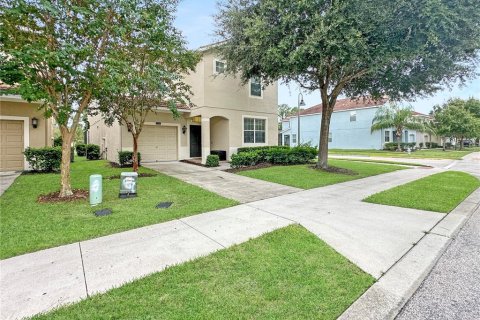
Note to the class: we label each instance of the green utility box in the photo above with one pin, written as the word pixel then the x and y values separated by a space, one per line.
pixel 95 189
pixel 128 185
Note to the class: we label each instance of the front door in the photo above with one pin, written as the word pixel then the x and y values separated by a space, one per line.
pixel 286 140
pixel 195 141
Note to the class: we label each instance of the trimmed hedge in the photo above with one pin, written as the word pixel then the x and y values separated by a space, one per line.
pixel 93 152
pixel 125 158
pixel 392 146
pixel 81 149
pixel 431 145
pixel 282 155
pixel 249 149
pixel 57 142
pixel 46 159
pixel 213 160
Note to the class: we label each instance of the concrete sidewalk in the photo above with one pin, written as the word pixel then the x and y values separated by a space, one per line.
pixel 228 185
pixel 6 179
pixel 436 163
pixel 372 236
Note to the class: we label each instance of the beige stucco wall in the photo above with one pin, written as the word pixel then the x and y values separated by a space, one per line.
pixel 107 137
pixel 221 96
pixel 39 137
pixel 425 137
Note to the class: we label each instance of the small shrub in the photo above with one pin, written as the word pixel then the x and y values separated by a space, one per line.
pixel 263 148
pixel 81 149
pixel 431 145
pixel 57 142
pixel 46 159
pixel 93 152
pixel 125 158
pixel 420 144
pixel 245 159
pixel 213 160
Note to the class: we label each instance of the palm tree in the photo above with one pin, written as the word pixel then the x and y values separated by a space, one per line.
pixel 430 127
pixel 398 118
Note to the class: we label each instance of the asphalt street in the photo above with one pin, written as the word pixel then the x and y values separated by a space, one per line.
pixel 452 289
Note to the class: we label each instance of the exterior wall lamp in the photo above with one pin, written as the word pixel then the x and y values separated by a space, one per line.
pixel 184 129
pixel 34 123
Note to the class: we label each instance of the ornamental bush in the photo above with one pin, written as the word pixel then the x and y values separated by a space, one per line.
pixel 213 160
pixel 282 155
pixel 431 145
pixel 392 146
pixel 93 152
pixel 125 158
pixel 46 159
pixel 81 149
pixel 57 142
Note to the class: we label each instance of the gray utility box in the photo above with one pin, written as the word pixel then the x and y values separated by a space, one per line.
pixel 128 185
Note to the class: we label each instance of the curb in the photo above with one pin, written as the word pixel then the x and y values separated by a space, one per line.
pixel 386 297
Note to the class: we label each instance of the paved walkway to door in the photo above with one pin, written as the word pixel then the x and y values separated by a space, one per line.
pixel 228 185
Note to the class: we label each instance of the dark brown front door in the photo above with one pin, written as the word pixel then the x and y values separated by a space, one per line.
pixel 195 141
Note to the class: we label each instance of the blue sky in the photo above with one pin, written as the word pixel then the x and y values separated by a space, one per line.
pixel 195 20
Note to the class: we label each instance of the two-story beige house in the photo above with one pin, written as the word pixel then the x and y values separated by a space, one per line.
pixel 226 116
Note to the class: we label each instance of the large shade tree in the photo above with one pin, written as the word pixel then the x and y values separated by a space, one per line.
pixel 147 71
pixel 55 52
pixel 401 48
pixel 397 117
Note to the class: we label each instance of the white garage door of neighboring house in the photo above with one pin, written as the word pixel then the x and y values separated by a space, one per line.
pixel 11 145
pixel 158 143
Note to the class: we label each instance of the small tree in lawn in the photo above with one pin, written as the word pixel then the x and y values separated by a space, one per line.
pixel 401 49
pixel 430 126
pixel 146 72
pixel 456 121
pixel 54 52
pixel 398 118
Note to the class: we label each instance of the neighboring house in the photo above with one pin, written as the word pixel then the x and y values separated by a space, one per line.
pixel 350 126
pixel 226 116
pixel 22 125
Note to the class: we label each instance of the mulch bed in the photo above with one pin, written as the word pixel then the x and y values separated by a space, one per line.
pixel 78 194
pixel 193 162
pixel 258 166
pixel 337 170
pixel 140 175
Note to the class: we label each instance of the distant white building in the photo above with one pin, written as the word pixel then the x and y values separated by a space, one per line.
pixel 350 126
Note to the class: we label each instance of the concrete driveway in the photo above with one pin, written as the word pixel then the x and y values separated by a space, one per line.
pixel 228 185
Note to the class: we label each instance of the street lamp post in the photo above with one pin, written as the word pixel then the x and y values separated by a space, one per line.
pixel 301 103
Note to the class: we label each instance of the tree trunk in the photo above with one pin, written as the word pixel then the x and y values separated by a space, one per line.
pixel 135 153
pixel 399 140
pixel 461 143
pixel 65 186
pixel 322 162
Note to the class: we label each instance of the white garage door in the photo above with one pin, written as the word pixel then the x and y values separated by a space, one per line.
pixel 158 143
pixel 11 145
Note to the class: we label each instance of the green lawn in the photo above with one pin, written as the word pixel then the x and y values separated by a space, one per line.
pixel 28 226
pixel 304 177
pixel 285 274
pixel 440 192
pixel 419 154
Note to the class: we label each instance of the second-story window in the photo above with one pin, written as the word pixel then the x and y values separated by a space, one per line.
pixel 255 87
pixel 219 66
pixel 353 116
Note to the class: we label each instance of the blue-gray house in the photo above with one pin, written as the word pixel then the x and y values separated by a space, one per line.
pixel 349 127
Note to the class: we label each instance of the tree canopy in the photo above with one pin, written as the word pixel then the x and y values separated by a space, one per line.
pixel 402 49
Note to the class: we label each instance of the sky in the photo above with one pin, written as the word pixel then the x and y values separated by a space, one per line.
pixel 195 21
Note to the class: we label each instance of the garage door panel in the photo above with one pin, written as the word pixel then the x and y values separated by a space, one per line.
pixel 158 143
pixel 11 145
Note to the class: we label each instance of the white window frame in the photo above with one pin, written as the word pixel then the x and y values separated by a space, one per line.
pixel 250 89
pixel 215 66
pixel 243 131
pixel 294 138
pixel 353 114
pixel 386 135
